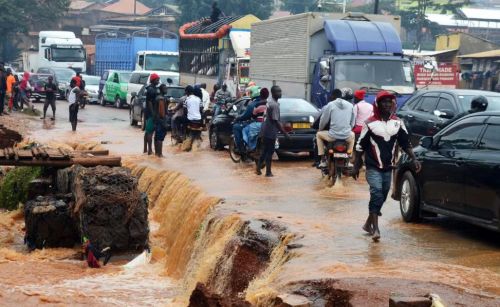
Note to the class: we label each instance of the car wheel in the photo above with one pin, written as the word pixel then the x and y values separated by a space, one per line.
pixel 118 103
pixel 133 122
pixel 409 203
pixel 102 102
pixel 215 143
pixel 143 122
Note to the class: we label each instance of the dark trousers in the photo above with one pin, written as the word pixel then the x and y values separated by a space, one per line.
pixel 2 101
pixel 267 153
pixel 73 115
pixel 49 102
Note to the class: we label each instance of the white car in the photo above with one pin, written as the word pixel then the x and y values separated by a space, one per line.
pixel 139 78
pixel 92 87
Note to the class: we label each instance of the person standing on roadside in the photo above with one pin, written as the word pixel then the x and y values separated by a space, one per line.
pixel 160 124
pixel 15 93
pixel 73 97
pixel 152 91
pixel 3 88
pixel 269 131
pixel 11 81
pixel 50 98
pixel 205 97
pixel 24 88
pixel 379 137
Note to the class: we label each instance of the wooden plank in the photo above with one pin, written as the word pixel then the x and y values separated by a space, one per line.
pixel 10 153
pixel 94 152
pixel 64 153
pixel 55 154
pixel 16 156
pixel 25 154
pixel 45 155
pixel 2 154
pixel 87 162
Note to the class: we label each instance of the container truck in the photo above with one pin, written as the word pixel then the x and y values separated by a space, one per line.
pixel 141 50
pixel 309 55
pixel 57 49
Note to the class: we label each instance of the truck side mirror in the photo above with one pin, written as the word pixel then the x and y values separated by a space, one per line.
pixel 426 142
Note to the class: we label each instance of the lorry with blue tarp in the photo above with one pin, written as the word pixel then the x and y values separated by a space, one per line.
pixel 309 55
pixel 151 49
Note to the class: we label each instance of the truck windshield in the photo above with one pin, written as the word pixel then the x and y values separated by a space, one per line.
pixel 384 74
pixel 68 55
pixel 162 62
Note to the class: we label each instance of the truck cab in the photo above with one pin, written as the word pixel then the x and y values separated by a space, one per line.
pixel 365 55
pixel 158 61
pixel 61 49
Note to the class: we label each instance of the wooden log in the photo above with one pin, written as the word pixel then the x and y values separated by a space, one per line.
pixel 87 162
pixel 25 154
pixel 45 155
pixel 16 155
pixel 64 153
pixel 94 152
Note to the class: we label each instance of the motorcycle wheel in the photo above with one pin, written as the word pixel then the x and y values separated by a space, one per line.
pixel 232 152
pixel 332 171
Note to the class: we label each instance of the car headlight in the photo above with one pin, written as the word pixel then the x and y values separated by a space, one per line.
pixel 311 119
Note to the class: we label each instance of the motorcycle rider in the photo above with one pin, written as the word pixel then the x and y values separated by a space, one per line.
pixel 341 117
pixel 244 119
pixel 252 130
pixel 377 142
pixel 152 91
pixel 477 104
pixel 221 97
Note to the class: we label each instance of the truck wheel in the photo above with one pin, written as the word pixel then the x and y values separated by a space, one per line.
pixel 118 103
pixel 102 102
pixel 133 122
pixel 409 203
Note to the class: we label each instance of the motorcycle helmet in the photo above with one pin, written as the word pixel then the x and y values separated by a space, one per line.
pixel 347 93
pixel 479 103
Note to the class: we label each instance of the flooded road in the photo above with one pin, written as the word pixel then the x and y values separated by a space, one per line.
pixel 327 221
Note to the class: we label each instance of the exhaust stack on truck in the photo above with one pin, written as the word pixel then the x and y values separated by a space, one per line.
pixel 309 55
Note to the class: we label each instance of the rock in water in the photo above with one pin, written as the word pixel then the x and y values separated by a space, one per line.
pixel 109 209
pixel 49 223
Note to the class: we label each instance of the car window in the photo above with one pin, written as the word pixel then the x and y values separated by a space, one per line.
pixel 125 77
pixel 105 76
pixel 445 105
pixel 296 105
pixel 143 79
pixel 115 78
pixel 411 103
pixel 427 104
pixel 175 92
pixel 135 78
pixel 461 136
pixel 491 138
pixel 493 102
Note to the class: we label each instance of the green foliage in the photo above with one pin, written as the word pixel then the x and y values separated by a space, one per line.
pixel 195 9
pixel 14 187
pixel 19 16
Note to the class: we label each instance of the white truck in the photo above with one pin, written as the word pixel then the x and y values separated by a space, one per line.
pixel 57 49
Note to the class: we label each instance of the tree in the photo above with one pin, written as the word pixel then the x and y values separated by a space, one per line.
pixel 22 15
pixel 195 9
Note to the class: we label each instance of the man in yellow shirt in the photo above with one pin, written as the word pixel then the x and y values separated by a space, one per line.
pixel 10 86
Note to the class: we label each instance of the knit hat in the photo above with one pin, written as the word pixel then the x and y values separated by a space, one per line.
pixel 360 94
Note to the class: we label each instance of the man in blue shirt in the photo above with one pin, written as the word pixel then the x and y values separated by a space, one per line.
pixel 244 119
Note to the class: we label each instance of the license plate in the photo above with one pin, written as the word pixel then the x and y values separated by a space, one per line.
pixel 301 125
pixel 340 155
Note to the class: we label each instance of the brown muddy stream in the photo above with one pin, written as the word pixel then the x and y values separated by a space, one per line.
pixel 191 229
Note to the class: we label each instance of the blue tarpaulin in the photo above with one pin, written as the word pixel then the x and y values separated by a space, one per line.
pixel 349 36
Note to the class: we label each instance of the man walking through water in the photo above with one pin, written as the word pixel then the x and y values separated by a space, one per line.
pixel 378 143
pixel 269 131
pixel 152 92
pixel 50 98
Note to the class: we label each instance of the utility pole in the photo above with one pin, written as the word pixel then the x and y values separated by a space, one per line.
pixel 375 9
pixel 135 7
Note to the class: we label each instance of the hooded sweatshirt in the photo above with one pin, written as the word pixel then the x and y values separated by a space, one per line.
pixel 341 117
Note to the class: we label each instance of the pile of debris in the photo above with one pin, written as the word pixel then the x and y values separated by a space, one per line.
pixel 100 203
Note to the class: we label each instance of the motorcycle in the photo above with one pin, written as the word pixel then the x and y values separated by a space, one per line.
pixel 337 161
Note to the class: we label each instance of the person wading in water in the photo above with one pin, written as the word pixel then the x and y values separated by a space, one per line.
pixel 379 137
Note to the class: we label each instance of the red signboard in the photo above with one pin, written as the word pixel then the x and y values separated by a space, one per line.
pixel 445 76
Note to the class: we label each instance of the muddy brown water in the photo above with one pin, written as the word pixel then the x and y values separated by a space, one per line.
pixel 326 223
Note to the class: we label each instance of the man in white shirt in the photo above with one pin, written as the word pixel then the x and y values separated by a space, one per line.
pixel 73 104
pixel 193 105
pixel 206 96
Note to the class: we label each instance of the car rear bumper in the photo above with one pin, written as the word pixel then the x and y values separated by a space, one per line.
pixel 296 143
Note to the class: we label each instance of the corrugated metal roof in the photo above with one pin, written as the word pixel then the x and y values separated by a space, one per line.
pixel 126 7
pixel 212 27
pixel 79 4
pixel 450 21
pixel 483 14
pixel 486 54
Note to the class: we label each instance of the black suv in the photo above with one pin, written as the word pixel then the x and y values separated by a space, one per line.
pixel 460 174
pixel 428 110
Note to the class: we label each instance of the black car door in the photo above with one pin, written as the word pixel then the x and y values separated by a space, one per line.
pixel 423 122
pixel 443 177
pixel 482 193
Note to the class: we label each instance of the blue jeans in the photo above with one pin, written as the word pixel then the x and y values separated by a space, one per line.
pixel 238 135
pixel 380 184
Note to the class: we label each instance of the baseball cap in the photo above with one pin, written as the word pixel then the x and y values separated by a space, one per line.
pixel 154 77
pixel 360 94
pixel 385 94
